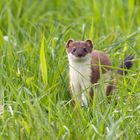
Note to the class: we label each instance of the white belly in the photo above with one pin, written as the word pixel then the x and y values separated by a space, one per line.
pixel 80 78
pixel 80 82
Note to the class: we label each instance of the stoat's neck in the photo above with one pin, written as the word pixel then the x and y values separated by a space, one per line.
pixel 85 61
pixel 80 67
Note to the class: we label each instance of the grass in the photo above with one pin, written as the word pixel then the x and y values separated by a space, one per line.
pixel 34 69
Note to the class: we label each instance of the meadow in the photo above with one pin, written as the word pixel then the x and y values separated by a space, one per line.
pixel 34 82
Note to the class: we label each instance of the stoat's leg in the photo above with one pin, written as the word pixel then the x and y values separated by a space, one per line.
pixel 85 87
pixel 111 88
pixel 75 92
pixel 84 100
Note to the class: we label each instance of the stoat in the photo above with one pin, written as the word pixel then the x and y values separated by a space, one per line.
pixel 85 69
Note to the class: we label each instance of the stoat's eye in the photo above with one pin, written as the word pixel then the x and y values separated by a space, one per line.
pixel 85 49
pixel 73 50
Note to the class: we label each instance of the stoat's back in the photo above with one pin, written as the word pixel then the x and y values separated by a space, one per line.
pixel 99 59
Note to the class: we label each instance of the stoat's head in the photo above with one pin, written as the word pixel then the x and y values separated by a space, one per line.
pixel 79 50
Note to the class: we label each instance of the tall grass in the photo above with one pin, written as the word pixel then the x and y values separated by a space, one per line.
pixel 34 70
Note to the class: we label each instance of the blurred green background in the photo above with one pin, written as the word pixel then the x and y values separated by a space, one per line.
pixel 34 77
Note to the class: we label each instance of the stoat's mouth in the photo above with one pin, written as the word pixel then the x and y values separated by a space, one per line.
pixel 80 55
pixel 79 58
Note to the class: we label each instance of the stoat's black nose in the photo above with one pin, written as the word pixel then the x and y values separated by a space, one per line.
pixel 80 54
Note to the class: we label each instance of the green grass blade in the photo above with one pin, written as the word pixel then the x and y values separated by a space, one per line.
pixel 43 64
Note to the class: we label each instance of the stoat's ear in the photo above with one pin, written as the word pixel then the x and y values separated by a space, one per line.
pixel 89 43
pixel 68 42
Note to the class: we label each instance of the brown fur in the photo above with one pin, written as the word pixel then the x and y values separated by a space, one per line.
pixel 102 59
